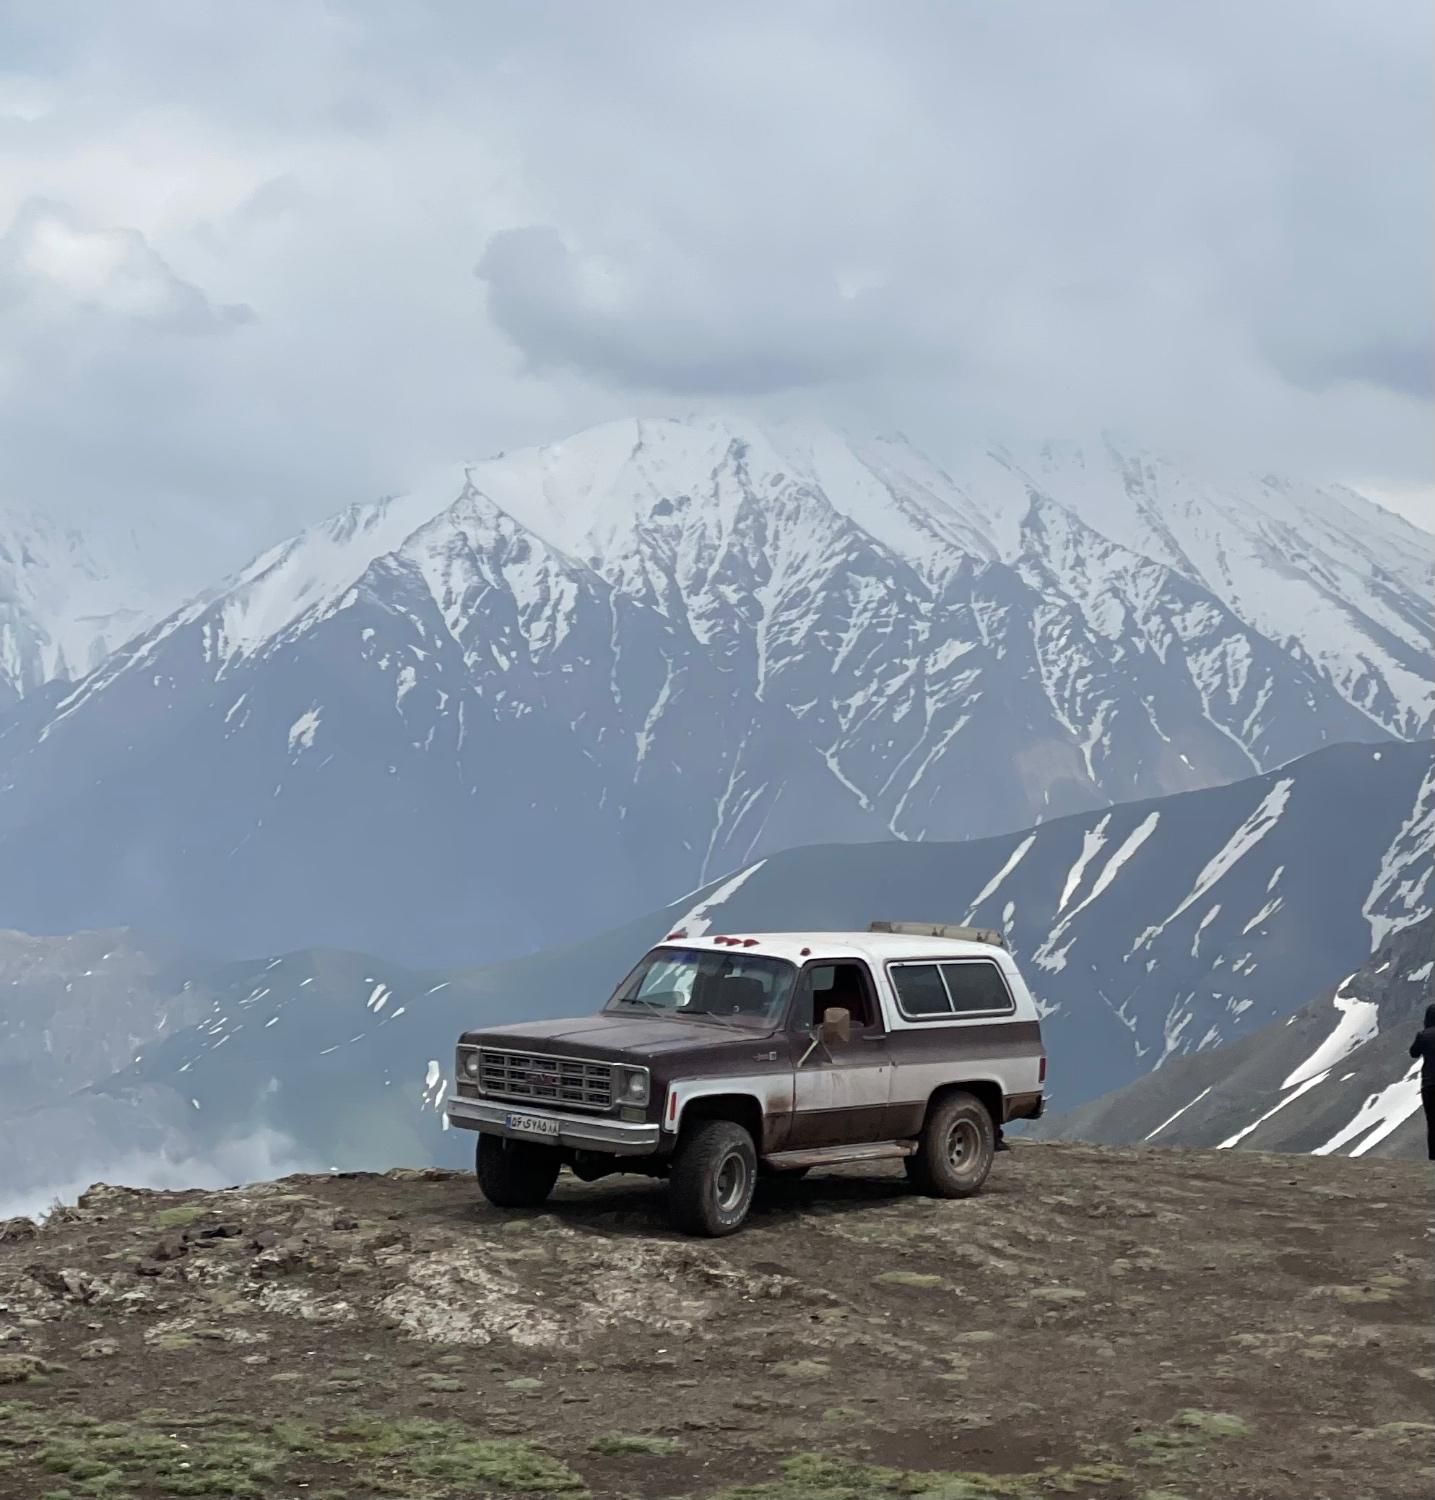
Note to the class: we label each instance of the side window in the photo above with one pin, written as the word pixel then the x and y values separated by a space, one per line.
pixel 971 987
pixel 920 991
pixel 837 986
pixel 976 987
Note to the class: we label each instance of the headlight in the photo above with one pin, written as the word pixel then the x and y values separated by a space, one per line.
pixel 470 1064
pixel 632 1085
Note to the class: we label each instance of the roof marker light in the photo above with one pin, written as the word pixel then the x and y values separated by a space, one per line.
pixel 749 942
pixel 678 934
pixel 806 953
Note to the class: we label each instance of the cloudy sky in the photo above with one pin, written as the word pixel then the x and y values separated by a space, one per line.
pixel 259 260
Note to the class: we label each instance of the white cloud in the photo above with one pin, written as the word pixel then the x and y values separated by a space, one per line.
pixel 258 1157
pixel 52 265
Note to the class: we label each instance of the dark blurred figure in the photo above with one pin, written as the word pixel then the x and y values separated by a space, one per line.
pixel 1423 1047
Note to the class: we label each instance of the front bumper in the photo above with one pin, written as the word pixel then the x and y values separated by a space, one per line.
pixel 580 1132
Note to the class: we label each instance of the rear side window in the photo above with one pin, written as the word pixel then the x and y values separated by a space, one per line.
pixel 976 987
pixel 971 987
pixel 921 990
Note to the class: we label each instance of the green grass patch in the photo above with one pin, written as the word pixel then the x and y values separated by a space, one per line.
pixel 180 1216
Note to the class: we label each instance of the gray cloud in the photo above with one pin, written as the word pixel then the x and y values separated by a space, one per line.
pixel 1207 226
pixel 676 328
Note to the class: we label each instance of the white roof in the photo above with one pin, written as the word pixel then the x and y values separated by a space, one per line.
pixel 799 947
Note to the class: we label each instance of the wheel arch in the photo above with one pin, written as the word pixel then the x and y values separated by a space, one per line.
pixel 987 1090
pixel 740 1108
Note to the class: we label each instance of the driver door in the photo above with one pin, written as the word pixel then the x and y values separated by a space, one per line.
pixel 841 1092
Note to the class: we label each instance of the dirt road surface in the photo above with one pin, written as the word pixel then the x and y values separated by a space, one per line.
pixel 1099 1323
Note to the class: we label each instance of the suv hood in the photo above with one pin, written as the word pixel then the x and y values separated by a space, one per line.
pixel 608 1034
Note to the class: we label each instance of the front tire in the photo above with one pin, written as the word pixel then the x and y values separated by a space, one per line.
pixel 954 1155
pixel 515 1174
pixel 714 1174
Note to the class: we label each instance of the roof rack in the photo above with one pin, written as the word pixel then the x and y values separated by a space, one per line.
pixel 942 930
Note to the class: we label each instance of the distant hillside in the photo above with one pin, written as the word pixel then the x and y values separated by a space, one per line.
pixel 1334 1077
pixel 1148 932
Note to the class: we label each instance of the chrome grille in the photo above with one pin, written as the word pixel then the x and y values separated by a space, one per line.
pixel 569 1082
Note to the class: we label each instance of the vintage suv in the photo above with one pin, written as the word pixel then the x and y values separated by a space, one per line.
pixel 722 1057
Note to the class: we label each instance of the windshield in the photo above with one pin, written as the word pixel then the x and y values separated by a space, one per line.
pixel 743 988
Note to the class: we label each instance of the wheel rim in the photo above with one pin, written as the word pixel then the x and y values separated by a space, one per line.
pixel 732 1183
pixel 964 1144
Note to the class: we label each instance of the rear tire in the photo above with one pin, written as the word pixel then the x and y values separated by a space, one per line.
pixel 515 1174
pixel 714 1174
pixel 954 1154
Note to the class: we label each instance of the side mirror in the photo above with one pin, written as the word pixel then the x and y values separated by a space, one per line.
pixel 836 1026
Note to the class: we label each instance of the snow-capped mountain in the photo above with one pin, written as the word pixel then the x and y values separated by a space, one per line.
pixel 540 694
pixel 1335 1078
pixel 1151 934
pixel 69 596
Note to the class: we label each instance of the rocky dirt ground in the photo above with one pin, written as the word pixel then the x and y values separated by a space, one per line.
pixel 1128 1325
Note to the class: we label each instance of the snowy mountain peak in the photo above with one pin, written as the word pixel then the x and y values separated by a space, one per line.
pixel 68 598
pixel 674 646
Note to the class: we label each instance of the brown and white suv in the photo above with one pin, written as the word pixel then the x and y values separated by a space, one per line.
pixel 720 1057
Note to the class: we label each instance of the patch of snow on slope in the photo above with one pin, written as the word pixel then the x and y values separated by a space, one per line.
pixel 1092 842
pixel 303 730
pixel 1381 1115
pixel 1295 1093
pixel 1359 1023
pixel 1172 1120
pixel 1245 838
pixel 1013 860
pixel 1049 956
pixel 698 920
pixel 434 1085
pixel 1399 894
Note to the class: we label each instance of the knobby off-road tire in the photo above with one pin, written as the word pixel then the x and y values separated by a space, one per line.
pixel 956 1148
pixel 515 1174
pixel 714 1173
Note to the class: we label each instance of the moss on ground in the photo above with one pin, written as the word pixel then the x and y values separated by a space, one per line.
pixel 622 1444
pixel 159 1454
pixel 1187 1434
pixel 811 1476
pixel 25 1369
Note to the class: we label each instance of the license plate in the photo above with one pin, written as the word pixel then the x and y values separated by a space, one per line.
pixel 531 1124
